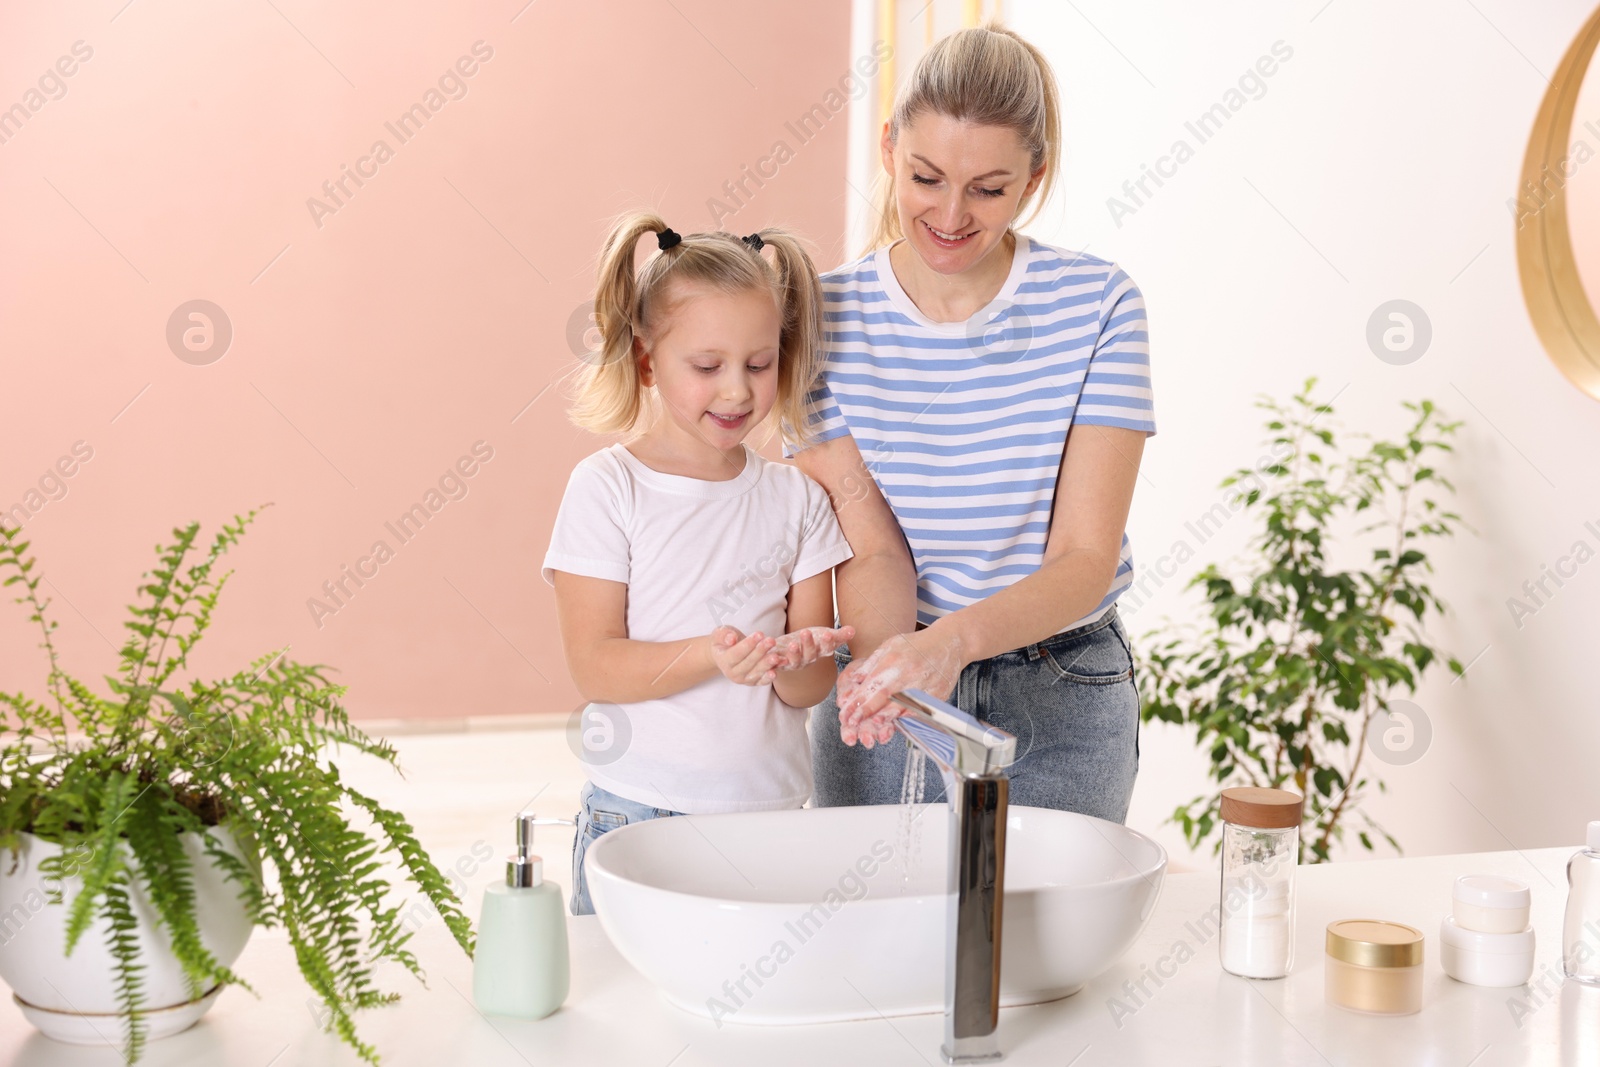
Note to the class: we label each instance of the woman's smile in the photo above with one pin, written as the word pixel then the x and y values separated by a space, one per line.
pixel 948 240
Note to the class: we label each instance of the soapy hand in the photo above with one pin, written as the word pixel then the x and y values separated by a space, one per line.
pixel 804 647
pixel 905 661
pixel 877 728
pixel 745 660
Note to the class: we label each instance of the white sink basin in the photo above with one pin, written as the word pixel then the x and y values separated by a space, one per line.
pixel 816 915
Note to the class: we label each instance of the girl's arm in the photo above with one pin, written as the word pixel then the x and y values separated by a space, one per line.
pixel 609 668
pixel 810 604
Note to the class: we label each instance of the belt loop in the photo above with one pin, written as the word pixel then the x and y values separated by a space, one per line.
pixel 1032 652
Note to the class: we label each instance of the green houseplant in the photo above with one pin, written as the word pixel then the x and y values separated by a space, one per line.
pixel 115 783
pixel 1297 657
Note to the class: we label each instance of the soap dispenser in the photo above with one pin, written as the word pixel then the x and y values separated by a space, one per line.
pixel 520 968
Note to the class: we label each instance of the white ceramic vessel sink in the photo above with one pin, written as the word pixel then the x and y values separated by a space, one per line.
pixel 826 914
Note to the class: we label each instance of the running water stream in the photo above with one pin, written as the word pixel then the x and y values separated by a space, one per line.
pixel 913 783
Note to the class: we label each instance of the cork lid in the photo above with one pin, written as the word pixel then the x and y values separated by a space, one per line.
pixel 1264 809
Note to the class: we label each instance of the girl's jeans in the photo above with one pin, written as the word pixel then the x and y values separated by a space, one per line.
pixel 600 810
pixel 1071 700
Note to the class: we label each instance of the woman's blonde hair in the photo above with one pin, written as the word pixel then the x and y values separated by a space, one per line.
pixel 611 397
pixel 989 76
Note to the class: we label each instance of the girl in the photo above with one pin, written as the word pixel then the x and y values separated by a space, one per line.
pixel 693 578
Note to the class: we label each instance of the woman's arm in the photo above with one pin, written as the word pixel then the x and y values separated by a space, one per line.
pixel 1094 490
pixel 609 668
pixel 810 605
pixel 877 586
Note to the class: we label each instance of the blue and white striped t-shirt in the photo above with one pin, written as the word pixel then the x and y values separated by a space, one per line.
pixel 962 424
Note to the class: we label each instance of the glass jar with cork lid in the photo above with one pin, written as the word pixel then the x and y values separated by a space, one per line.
pixel 1260 848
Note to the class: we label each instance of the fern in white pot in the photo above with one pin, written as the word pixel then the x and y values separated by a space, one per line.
pixel 145 832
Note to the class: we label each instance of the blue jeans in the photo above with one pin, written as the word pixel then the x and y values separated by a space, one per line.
pixel 1071 700
pixel 600 810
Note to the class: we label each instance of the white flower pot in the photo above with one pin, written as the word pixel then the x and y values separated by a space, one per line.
pixel 74 998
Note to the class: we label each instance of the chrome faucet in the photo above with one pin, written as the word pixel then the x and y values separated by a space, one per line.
pixel 972 757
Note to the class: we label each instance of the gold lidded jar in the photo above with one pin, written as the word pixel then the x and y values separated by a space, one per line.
pixel 1374 966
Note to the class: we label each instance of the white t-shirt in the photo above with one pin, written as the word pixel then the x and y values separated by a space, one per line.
pixel 696 555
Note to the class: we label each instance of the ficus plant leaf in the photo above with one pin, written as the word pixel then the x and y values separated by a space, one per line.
pixel 115 777
pixel 1295 655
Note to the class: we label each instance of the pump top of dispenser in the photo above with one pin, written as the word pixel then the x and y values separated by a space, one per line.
pixel 525 870
pixel 1594 836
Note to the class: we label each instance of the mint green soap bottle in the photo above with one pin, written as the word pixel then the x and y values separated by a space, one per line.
pixel 520 968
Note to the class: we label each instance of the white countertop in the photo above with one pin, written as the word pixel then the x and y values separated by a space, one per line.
pixel 1200 1015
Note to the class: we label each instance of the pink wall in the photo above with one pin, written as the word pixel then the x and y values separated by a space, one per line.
pixel 373 346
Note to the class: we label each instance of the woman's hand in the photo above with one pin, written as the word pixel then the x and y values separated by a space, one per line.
pixel 804 647
pixel 925 660
pixel 745 660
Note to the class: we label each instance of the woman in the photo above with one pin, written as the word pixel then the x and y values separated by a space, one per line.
pixel 981 417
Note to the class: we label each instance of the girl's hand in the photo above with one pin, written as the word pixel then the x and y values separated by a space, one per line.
pixel 745 660
pixel 922 660
pixel 804 647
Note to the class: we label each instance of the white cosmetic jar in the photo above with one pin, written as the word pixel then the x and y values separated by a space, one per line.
pixel 1490 904
pixel 1486 959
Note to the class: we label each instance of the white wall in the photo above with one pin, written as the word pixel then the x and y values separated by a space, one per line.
pixel 1376 165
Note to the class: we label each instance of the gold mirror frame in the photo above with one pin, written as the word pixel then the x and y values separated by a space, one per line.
pixel 1562 315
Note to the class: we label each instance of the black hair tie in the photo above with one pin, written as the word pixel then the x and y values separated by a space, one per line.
pixel 667 239
pixel 755 242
